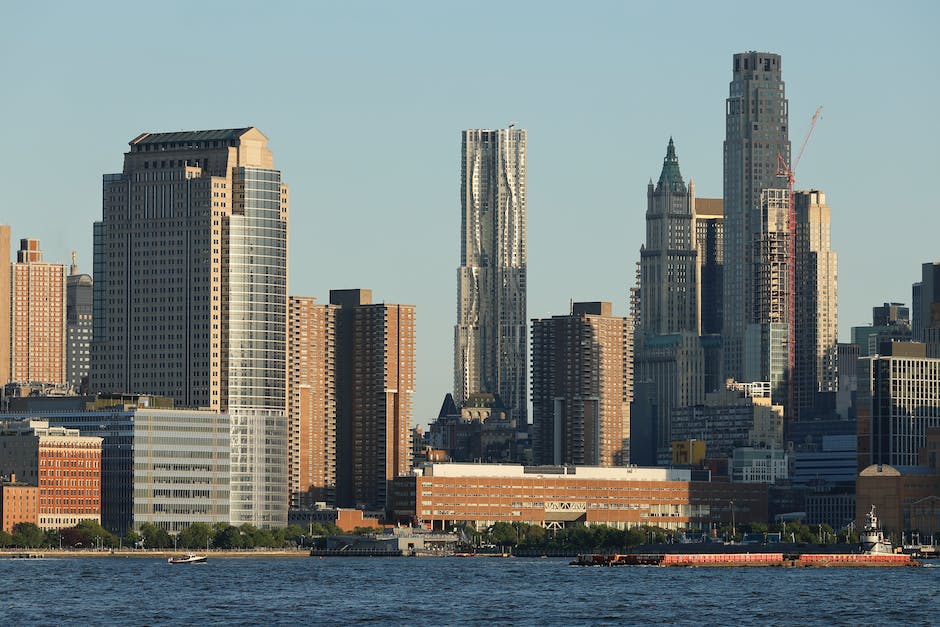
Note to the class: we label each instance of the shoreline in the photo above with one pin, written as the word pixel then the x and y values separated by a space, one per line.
pixel 154 554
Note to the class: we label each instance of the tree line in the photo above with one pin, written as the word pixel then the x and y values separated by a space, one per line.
pixel 90 534
pixel 603 537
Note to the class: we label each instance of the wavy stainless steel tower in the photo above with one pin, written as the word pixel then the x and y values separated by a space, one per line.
pixel 756 130
pixel 490 336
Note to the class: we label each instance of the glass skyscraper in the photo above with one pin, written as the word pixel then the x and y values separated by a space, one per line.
pixel 190 295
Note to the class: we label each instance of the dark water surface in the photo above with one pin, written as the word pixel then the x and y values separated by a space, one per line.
pixel 449 591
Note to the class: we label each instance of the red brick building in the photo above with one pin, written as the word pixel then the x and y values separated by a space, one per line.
pixel 18 504
pixel 65 466
pixel 444 495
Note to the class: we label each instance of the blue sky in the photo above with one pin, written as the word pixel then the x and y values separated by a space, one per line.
pixel 364 103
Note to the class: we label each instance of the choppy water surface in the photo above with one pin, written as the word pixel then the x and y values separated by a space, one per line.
pixel 449 591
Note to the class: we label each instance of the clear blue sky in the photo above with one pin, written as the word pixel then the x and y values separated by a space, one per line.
pixel 364 103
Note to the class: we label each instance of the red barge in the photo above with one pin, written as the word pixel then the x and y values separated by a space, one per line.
pixel 874 550
pixel 744 559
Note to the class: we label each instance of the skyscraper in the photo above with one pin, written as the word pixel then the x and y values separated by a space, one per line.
pixel 581 388
pixel 756 131
pixel 490 335
pixel 4 304
pixel 375 355
pixel 926 308
pixel 311 394
pixel 190 295
pixel 37 317
pixel 78 327
pixel 709 240
pixel 816 302
pixel 669 301
pixel 669 354
pixel 766 333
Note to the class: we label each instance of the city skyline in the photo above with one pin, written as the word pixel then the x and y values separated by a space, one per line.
pixel 593 144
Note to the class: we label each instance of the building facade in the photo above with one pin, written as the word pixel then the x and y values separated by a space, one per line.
pixel 4 304
pixel 64 465
pixel 78 328
pixel 375 351
pixel 816 304
pixel 925 307
pixel 709 242
pixel 669 354
pixel 767 336
pixel 669 266
pixel 19 503
pixel 738 415
pixel 442 496
pixel 490 339
pixel 158 465
pixel 898 401
pixel 756 131
pixel 581 392
pixel 311 394
pixel 200 218
pixel 890 323
pixel 37 317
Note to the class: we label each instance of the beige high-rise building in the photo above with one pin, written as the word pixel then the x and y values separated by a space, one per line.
pixel 190 295
pixel 375 373
pixel 766 334
pixel 311 398
pixel 581 387
pixel 4 304
pixel 816 303
pixel 37 317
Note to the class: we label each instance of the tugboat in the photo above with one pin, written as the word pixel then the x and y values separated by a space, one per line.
pixel 872 538
pixel 190 558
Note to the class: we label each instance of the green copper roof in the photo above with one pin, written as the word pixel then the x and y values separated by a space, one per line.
pixel 223 134
pixel 671 178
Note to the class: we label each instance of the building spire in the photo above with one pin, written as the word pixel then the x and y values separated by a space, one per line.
pixel 671 178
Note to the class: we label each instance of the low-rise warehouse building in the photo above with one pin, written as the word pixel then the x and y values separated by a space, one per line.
pixel 440 496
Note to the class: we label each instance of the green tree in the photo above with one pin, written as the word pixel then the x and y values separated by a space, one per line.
pixel 92 529
pixel 155 537
pixel 253 537
pixel 28 535
pixel 503 534
pixel 52 538
pixel 5 539
pixel 131 537
pixel 292 535
pixel 228 537
pixel 195 536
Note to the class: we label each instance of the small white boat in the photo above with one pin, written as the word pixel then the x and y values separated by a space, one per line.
pixel 190 558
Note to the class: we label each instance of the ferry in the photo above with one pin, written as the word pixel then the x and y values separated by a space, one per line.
pixel 190 558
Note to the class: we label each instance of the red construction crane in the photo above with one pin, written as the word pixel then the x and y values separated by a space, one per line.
pixel 785 170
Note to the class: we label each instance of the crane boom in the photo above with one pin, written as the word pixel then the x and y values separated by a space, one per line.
pixel 812 125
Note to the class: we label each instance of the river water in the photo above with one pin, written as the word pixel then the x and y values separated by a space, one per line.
pixel 452 591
